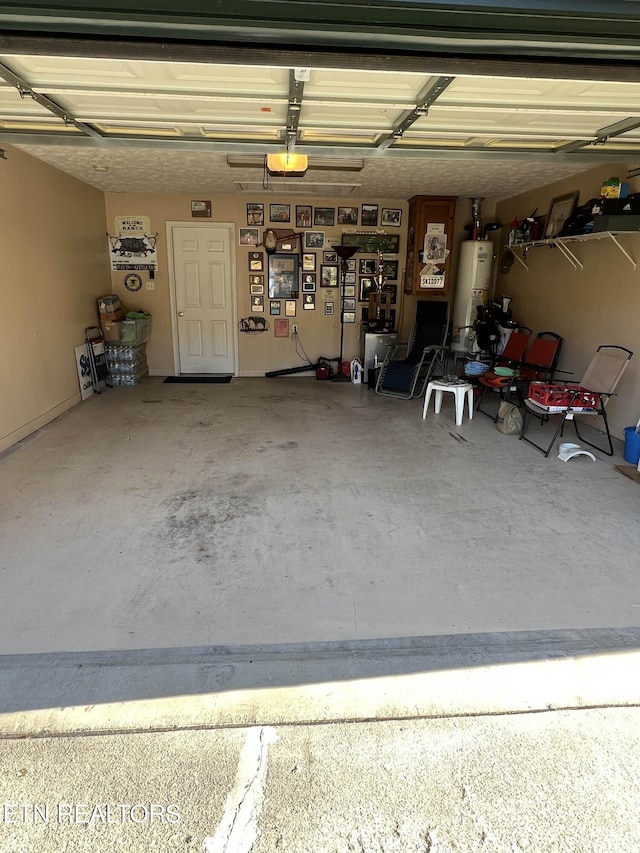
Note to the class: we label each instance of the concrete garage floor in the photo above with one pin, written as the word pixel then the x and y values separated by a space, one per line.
pixel 291 510
pixel 424 627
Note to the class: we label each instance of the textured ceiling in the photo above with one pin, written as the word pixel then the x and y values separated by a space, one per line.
pixel 170 171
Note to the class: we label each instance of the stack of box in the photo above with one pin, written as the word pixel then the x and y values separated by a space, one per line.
pixel 119 328
pixel 111 314
pixel 127 364
pixel 125 338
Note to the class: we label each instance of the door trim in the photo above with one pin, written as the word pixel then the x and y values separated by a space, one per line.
pixel 231 229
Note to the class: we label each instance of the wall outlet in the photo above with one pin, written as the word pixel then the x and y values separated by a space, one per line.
pixel 295 329
pixel 151 285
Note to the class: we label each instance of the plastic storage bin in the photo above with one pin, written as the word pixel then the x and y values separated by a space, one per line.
pixel 555 397
pixel 135 332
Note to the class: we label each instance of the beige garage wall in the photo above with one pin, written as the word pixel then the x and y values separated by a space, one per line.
pixel 597 305
pixel 319 334
pixel 54 266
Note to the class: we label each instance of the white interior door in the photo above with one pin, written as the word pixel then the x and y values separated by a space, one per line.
pixel 204 293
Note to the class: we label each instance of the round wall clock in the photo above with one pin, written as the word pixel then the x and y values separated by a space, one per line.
pixel 133 282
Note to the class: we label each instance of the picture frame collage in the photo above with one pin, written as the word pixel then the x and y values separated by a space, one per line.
pixel 300 270
pixel 308 216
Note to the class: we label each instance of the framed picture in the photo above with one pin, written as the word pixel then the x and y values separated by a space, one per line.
pixel 325 216
pixel 309 302
pixel 367 266
pixel 201 209
pixel 369 215
pixel 308 282
pixel 390 270
pixel 329 276
pixel 309 261
pixel 248 236
pixel 328 308
pixel 561 208
pixel 351 265
pixel 283 276
pixel 303 216
pixel 257 304
pixel 329 258
pixel 256 279
pixel 348 304
pixel 347 216
pixel 290 308
pixel 255 213
pixel 366 286
pixel 389 294
pixel 349 278
pixel 257 289
pixel 256 262
pixel 391 216
pixel 274 308
pixel 314 239
pixel 372 241
pixel 349 290
pixel 280 212
pixel 348 316
pixel 436 248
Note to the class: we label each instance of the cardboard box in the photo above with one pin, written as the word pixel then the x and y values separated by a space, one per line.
pixel 622 222
pixel 619 190
pixel 111 316
pixel 623 206
pixel 112 331
pixel 109 304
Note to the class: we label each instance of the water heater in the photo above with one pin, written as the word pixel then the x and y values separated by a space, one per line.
pixel 473 286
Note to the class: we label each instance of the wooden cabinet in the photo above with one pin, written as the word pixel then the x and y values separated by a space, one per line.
pixel 432 216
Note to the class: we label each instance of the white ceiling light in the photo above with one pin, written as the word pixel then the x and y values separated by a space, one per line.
pixel 287 163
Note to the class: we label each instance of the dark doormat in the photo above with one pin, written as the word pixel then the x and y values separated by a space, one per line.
pixel 182 380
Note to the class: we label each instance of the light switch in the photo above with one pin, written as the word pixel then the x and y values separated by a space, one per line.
pixel 151 285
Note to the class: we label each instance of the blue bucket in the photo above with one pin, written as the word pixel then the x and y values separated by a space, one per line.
pixel 631 445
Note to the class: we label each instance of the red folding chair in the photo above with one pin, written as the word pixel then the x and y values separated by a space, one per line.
pixel 539 365
pixel 509 361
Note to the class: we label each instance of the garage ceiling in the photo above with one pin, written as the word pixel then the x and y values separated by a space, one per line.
pixel 177 117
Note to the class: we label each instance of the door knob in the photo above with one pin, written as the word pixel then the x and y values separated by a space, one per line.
pixel 180 313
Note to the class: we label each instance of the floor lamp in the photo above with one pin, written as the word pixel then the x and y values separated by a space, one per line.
pixel 344 253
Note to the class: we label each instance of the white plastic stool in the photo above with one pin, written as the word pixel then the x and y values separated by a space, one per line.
pixel 458 390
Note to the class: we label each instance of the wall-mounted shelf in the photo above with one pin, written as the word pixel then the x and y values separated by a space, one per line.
pixel 562 243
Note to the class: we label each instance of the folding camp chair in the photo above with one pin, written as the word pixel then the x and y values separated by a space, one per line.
pixel 507 362
pixel 570 399
pixel 425 353
pixel 539 365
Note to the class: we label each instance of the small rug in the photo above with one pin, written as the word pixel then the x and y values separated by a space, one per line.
pixel 204 379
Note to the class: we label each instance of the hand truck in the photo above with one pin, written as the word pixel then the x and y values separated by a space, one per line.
pixel 100 373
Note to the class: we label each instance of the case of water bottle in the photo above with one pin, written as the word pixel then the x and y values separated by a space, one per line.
pixel 127 363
